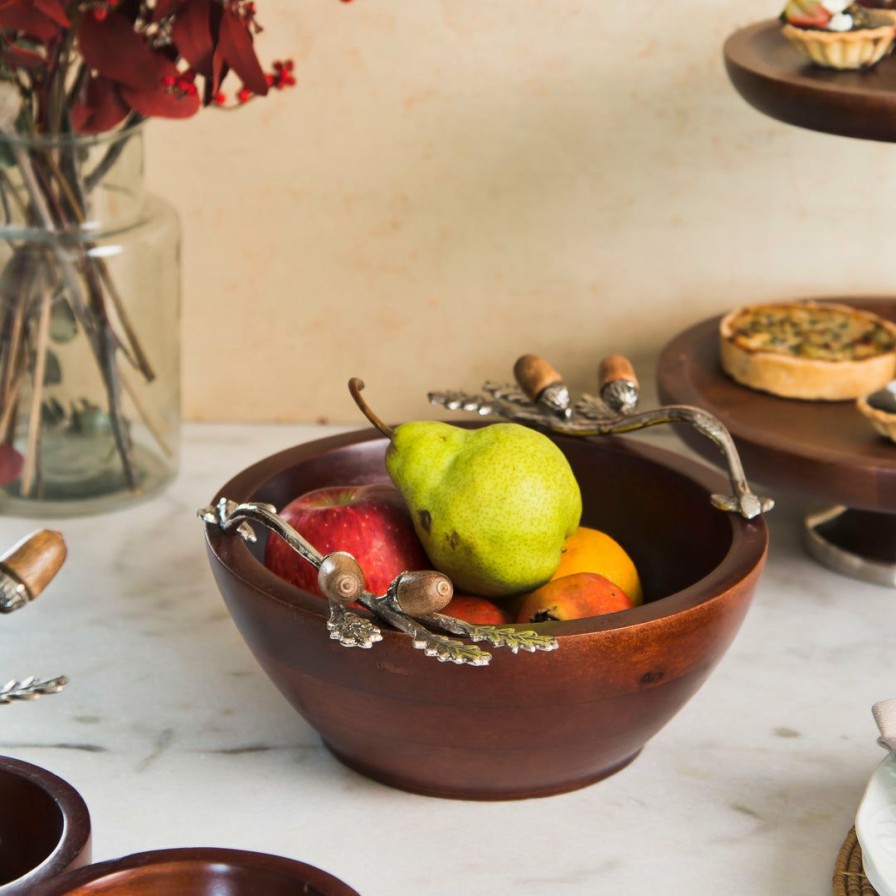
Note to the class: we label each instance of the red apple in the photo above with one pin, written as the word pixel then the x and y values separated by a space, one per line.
pixel 477 610
pixel 370 521
pixel 575 596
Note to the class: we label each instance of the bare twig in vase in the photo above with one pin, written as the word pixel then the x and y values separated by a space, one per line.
pixel 132 346
pixel 144 415
pixel 30 469
pixel 110 158
pixel 107 343
pixel 90 313
pixel 19 276
pixel 136 355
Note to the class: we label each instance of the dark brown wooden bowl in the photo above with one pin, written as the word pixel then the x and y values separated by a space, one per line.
pixel 44 827
pixel 197 871
pixel 528 724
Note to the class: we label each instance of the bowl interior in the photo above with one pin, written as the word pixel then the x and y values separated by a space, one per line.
pixel 654 503
pixel 44 827
pixel 31 826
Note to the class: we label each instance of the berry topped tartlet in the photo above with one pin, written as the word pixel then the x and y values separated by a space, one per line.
pixel 839 34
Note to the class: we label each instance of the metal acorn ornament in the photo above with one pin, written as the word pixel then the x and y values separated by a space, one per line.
pixel 411 603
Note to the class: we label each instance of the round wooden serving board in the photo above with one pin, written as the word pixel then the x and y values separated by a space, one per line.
pixel 824 449
pixel 775 78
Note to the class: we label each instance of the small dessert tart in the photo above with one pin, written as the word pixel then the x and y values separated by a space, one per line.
pixel 839 34
pixel 880 409
pixel 810 350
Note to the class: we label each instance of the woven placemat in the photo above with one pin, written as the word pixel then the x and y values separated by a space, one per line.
pixel 849 877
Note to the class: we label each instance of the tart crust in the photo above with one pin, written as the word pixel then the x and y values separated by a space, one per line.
pixel 883 421
pixel 845 50
pixel 815 361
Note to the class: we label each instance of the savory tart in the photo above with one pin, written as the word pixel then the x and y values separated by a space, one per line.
pixel 839 34
pixel 811 350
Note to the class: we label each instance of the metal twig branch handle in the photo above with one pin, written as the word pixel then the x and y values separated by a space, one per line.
pixel 540 399
pixel 411 604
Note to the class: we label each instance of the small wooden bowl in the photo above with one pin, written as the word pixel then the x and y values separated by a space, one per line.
pixel 527 724
pixel 197 871
pixel 44 827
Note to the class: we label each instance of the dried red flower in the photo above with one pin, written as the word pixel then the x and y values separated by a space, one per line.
pixel 140 59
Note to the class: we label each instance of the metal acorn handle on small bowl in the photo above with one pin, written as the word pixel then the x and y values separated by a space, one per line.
pixel 539 398
pixel 411 604
pixel 25 571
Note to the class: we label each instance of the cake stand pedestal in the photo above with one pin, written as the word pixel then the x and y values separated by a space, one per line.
pixel 827 450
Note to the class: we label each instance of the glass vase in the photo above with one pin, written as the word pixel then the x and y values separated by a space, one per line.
pixel 89 326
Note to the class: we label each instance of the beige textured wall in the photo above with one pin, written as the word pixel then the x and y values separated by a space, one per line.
pixel 456 182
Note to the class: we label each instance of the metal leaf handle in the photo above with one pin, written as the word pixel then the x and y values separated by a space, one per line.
pixel 513 639
pixel 344 626
pixel 350 629
pixel 613 413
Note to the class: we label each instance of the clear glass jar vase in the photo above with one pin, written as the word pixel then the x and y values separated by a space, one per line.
pixel 89 326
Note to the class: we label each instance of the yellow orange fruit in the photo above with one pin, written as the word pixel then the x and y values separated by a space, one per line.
pixel 590 550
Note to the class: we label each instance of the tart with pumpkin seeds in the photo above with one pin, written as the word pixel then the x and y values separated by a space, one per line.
pixel 820 351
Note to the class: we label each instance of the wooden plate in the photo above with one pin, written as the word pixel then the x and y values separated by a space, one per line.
pixel 825 449
pixel 775 78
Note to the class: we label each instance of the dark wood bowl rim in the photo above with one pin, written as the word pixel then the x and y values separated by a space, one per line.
pixel 210 856
pixel 746 554
pixel 76 830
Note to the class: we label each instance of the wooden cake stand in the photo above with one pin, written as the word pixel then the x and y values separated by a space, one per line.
pixel 825 449
pixel 773 77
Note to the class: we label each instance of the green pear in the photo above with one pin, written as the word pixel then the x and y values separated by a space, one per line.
pixel 492 506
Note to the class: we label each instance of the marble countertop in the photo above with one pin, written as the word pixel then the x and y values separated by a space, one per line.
pixel 175 737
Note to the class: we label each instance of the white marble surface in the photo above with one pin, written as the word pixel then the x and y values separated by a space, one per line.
pixel 175 737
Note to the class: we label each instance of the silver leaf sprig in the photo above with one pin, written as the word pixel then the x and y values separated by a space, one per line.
pixel 410 604
pixel 350 629
pixel 31 688
pixel 513 639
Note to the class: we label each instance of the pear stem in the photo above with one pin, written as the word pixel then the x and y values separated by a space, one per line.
pixel 355 386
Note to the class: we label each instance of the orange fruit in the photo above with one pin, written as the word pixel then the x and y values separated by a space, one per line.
pixel 590 550
pixel 575 596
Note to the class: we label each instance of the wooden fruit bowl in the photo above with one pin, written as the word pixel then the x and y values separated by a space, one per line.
pixel 527 724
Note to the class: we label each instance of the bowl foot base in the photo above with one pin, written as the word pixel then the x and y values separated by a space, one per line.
pixel 857 543
pixel 460 792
